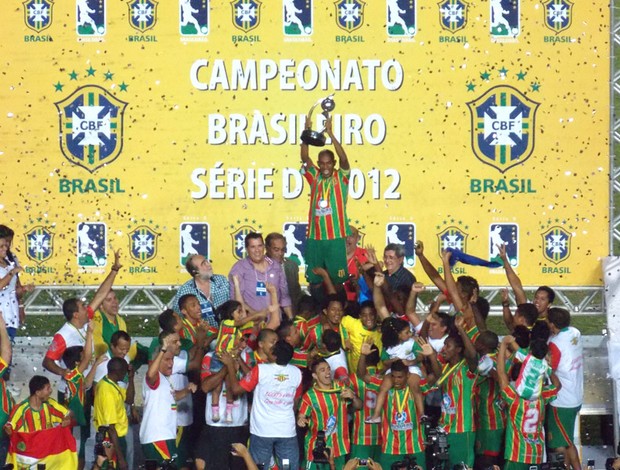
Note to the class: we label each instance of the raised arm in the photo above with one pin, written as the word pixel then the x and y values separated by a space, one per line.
pixel 502 376
pixel 513 279
pixel 342 156
pixel 410 308
pixel 469 351
pixel 152 374
pixel 107 283
pixel 362 369
pixel 88 347
pixel 5 343
pixel 377 296
pixel 453 292
pixel 304 152
pixel 509 320
pixel 429 269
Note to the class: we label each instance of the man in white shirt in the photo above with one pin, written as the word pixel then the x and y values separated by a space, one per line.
pixel 276 386
pixel 566 352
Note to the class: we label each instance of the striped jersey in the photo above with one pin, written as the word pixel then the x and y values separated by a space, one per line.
pixel 365 434
pixel 326 412
pixel 525 436
pixel 458 390
pixel 24 418
pixel 327 219
pixel 401 431
pixel 533 372
pixel 227 336
pixel 74 395
pixel 491 415
pixel 315 334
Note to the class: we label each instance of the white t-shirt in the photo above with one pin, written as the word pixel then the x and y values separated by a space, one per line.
pixel 67 337
pixel 179 382
pixel 159 418
pixel 338 365
pixel 240 405
pixel 102 369
pixel 275 389
pixel 567 361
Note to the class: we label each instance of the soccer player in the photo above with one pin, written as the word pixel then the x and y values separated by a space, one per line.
pixel 324 408
pixel 328 224
pixel 525 437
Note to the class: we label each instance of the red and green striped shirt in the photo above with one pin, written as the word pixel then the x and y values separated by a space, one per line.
pixel 490 406
pixel 525 437
pixel 401 431
pixel 365 434
pixel 74 396
pixel 330 221
pixel 316 333
pixel 326 412
pixel 457 406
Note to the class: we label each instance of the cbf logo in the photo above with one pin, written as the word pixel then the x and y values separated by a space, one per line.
pixel 452 237
pixel 194 240
pixel 505 18
pixel 142 14
pixel 558 15
pixel 194 17
pixel 92 244
pixel 91 127
pixel 453 15
pixel 39 244
pixel 143 244
pixel 38 14
pixel 349 14
pixel 401 18
pixel 297 17
pixel 502 127
pixel 238 240
pixel 402 234
pixel 295 236
pixel 506 235
pixel 90 17
pixel 246 14
pixel 556 243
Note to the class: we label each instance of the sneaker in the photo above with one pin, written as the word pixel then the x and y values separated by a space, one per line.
pixel 215 413
pixel 228 417
pixel 373 420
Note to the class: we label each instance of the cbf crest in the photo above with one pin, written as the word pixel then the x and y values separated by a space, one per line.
pixel 558 15
pixel 349 14
pixel 39 244
pixel 503 123
pixel 194 17
pixel 194 240
pixel 505 18
pixel 402 234
pixel 453 15
pixel 142 14
pixel 238 240
pixel 92 244
pixel 401 18
pixel 246 14
pixel 90 17
pixel 556 244
pixel 297 17
pixel 143 244
pixel 38 14
pixel 295 236
pixel 452 237
pixel 91 127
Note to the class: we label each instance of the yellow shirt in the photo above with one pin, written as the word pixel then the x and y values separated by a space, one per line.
pixel 357 335
pixel 24 418
pixel 103 331
pixel 110 406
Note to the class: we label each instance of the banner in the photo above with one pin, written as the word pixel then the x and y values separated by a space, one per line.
pixel 171 128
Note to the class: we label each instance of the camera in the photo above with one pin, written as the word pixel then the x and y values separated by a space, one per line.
pixel 320 449
pixel 408 463
pixel 101 439
pixel 436 441
pixel 556 462
pixel 460 466
pixel 165 465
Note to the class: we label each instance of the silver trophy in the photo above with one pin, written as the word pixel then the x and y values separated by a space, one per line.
pixel 316 138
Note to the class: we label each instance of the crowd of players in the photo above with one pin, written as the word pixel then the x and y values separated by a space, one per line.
pixel 320 381
pixel 349 376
